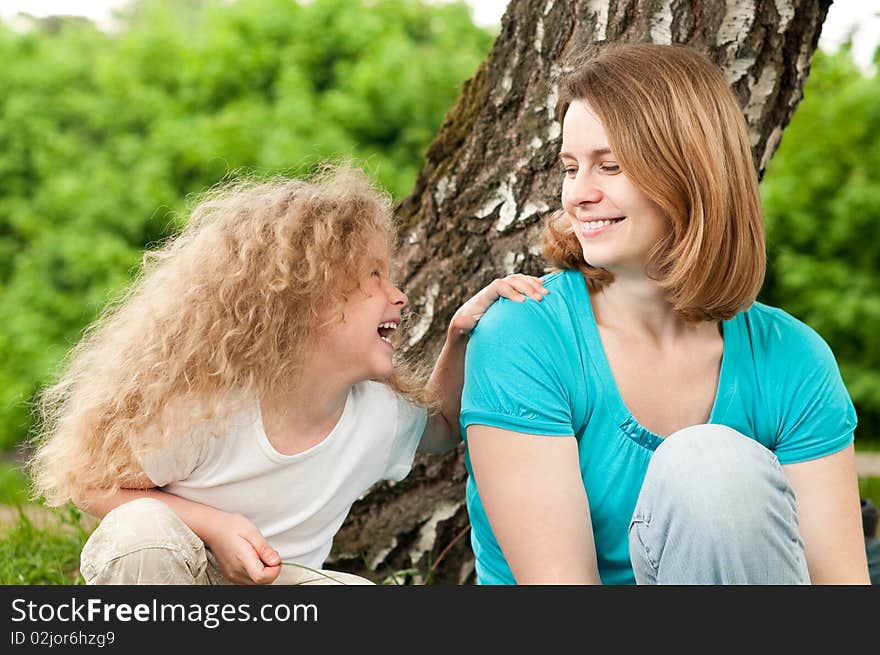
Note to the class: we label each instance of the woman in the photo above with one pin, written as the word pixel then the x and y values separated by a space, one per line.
pixel 648 421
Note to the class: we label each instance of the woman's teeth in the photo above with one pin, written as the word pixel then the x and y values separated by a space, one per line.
pixel 595 225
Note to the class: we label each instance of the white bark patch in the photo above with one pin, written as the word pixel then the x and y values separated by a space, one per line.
pixel 532 207
pixel 489 207
pixel 660 24
pixel 803 60
pixel 467 568
pixel 600 9
pixel 426 316
pixel 548 6
pixel 737 22
pixel 536 143
pixel 428 533
pixel 554 129
pixel 379 559
pixel 786 12
pixel 445 185
pixel 758 93
pixel 505 198
pixel 504 88
pixel 552 99
pixel 772 143
pixel 507 213
pixel 738 68
pixel 510 262
pixel 539 35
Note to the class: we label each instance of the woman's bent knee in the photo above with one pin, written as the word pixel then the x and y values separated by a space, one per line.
pixel 715 507
pixel 715 460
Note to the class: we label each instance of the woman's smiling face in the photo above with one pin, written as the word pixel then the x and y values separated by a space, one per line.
pixel 616 224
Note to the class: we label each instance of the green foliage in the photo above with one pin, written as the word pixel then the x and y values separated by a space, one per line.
pixel 822 206
pixel 103 136
pixel 13 485
pixel 870 488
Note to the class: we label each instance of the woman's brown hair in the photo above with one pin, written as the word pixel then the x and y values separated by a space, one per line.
pixel 679 135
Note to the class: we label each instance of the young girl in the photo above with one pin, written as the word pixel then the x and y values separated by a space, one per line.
pixel 225 415
pixel 649 422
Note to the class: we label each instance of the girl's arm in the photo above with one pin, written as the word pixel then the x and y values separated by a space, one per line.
pixel 447 379
pixel 243 554
pixel 534 497
pixel 829 517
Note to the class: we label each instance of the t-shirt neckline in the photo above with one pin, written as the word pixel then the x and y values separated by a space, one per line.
pixel 277 456
pixel 624 417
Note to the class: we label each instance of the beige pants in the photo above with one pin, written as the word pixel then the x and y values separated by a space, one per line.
pixel 144 542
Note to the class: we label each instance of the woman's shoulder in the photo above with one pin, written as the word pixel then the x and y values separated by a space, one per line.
pixel 565 298
pixel 782 336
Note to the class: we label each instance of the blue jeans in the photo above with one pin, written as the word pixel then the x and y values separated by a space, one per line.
pixel 716 508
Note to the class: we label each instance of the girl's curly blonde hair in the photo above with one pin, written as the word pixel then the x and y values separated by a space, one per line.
pixel 220 314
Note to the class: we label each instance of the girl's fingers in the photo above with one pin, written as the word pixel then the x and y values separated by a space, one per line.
pixel 505 288
pixel 527 285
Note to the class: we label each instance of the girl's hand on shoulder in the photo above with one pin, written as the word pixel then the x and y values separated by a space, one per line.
pixel 514 287
pixel 243 554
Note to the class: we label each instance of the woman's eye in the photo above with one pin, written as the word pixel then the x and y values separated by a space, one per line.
pixel 607 167
pixel 570 171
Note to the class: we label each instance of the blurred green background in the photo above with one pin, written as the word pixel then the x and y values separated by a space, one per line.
pixel 103 135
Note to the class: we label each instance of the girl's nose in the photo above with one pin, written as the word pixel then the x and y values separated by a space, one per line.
pixel 398 297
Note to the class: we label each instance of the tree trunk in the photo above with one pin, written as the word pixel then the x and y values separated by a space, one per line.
pixel 491 177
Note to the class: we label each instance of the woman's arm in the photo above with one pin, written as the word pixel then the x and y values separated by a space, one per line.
pixel 829 516
pixel 447 379
pixel 534 497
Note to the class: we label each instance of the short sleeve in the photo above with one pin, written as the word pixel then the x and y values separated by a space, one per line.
pixel 409 427
pixel 172 464
pixel 816 416
pixel 515 371
pixel 177 460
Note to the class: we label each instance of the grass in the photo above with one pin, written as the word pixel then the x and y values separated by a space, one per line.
pixel 36 552
pixel 32 554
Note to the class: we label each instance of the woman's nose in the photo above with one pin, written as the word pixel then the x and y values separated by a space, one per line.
pixel 583 189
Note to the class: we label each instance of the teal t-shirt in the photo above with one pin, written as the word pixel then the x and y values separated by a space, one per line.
pixel 539 368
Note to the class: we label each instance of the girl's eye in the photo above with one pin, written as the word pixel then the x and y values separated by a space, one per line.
pixel 570 171
pixel 376 273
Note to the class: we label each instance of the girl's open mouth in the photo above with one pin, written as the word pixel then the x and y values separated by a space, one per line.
pixel 385 331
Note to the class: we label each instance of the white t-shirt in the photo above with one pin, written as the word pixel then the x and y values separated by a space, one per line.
pixel 298 502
